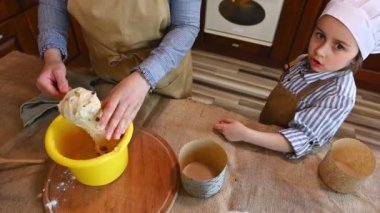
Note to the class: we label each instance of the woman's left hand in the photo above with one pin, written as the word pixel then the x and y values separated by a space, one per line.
pixel 122 104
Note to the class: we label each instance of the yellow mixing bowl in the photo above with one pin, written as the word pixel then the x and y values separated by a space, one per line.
pixel 70 146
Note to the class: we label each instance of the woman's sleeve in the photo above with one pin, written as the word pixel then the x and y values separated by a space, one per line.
pixel 52 26
pixel 184 28
pixel 314 126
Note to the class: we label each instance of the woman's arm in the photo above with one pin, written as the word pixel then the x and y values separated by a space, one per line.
pixel 184 28
pixel 52 26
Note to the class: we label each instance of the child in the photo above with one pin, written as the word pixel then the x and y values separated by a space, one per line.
pixel 316 94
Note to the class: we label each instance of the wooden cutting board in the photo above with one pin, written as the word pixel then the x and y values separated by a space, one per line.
pixel 150 182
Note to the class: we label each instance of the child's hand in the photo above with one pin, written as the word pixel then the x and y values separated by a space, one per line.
pixel 231 129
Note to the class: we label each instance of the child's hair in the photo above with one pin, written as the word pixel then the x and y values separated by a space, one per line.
pixel 357 63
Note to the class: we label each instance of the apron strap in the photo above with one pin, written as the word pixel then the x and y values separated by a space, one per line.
pixel 295 61
pixel 292 63
pixel 315 85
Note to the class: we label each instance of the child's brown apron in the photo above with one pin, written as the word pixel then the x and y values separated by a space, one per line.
pixel 120 34
pixel 281 104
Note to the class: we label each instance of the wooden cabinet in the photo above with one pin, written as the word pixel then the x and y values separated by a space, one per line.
pixel 15 33
pixel 296 23
pixel 18 31
pixel 369 76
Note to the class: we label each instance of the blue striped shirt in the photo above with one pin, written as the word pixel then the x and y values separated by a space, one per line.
pixel 184 28
pixel 319 114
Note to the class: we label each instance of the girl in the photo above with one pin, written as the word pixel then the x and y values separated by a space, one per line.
pixel 316 94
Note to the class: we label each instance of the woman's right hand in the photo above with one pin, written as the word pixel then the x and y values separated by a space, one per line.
pixel 52 79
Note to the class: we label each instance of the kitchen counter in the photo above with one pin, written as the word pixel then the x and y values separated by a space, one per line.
pixel 257 180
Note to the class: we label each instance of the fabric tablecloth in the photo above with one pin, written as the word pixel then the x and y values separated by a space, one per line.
pixel 257 180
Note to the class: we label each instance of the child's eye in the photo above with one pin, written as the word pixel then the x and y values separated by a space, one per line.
pixel 339 47
pixel 319 35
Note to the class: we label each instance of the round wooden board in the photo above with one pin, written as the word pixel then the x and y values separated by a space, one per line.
pixel 150 182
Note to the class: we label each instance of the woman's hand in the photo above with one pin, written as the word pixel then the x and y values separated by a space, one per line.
pixel 52 79
pixel 231 129
pixel 122 104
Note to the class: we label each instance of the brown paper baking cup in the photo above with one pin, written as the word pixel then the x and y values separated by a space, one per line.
pixel 347 164
pixel 203 167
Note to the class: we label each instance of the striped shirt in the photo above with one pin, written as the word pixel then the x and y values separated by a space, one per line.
pixel 319 114
pixel 184 28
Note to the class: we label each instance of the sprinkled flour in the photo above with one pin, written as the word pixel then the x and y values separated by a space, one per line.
pixel 68 181
pixel 52 204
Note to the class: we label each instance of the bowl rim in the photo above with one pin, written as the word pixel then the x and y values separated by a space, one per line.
pixel 74 163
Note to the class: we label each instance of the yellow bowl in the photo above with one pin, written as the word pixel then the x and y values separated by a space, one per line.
pixel 70 146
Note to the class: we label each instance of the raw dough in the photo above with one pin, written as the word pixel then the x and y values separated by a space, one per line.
pixel 83 108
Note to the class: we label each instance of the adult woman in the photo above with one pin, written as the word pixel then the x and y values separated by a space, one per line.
pixel 140 45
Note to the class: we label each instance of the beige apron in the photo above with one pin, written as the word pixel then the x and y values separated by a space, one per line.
pixel 281 104
pixel 120 34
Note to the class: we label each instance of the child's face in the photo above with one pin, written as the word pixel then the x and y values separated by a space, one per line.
pixel 331 46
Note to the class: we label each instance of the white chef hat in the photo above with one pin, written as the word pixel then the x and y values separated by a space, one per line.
pixel 362 18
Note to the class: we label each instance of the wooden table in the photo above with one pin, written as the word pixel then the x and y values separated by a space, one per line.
pixel 257 180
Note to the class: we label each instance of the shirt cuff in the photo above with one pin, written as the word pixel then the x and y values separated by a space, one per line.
pixel 151 71
pixel 300 143
pixel 145 75
pixel 52 40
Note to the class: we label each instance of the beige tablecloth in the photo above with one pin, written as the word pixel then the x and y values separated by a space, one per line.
pixel 257 180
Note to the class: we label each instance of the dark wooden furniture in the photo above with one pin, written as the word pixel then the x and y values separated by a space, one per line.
pixel 18 31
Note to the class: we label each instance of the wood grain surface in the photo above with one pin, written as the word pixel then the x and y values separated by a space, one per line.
pixel 150 182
